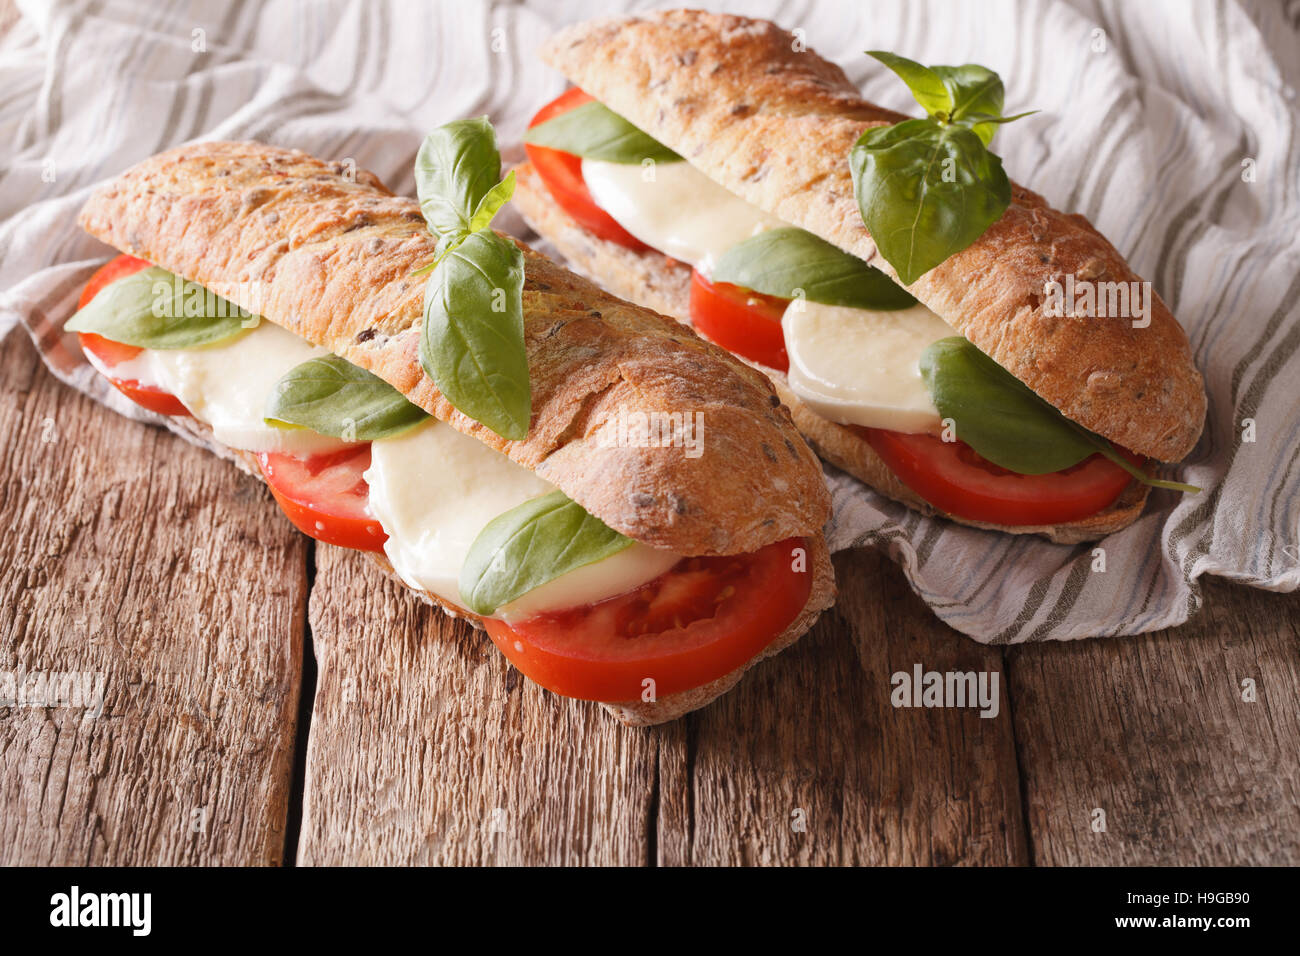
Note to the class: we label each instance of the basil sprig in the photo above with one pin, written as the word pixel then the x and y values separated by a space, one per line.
pixel 1004 421
pixel 155 309
pixel 928 188
pixel 530 545
pixel 332 396
pixel 595 131
pixel 472 341
pixel 792 262
pixel 471 347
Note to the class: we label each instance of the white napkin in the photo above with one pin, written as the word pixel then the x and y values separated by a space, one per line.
pixel 1172 126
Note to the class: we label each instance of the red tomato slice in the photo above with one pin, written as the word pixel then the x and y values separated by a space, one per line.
pixel 562 174
pixel 702 619
pixel 111 353
pixel 325 496
pixel 955 479
pixel 110 271
pixel 106 350
pixel 740 320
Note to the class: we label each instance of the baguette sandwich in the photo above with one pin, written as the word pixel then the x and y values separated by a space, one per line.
pixel 414 385
pixel 976 362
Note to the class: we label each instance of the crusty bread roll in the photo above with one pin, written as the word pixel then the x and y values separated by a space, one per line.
pixel 330 257
pixel 773 122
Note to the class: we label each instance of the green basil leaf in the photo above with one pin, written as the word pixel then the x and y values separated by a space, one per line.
pixel 974 90
pixel 974 119
pixel 595 131
pixel 997 414
pixel 491 203
pixel 155 309
pixel 457 167
pixel 332 396
pixel 1004 421
pixel 926 191
pixel 781 261
pixel 472 343
pixel 530 545
pixel 927 86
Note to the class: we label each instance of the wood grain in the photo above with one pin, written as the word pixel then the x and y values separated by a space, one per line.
pixel 1153 731
pixel 812 737
pixel 426 747
pixel 131 555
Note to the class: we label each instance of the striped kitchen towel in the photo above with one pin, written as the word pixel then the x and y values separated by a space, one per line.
pixel 1171 125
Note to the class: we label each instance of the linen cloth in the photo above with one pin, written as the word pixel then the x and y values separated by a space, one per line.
pixel 1170 125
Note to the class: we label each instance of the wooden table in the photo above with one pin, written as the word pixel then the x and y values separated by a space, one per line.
pixel 268 700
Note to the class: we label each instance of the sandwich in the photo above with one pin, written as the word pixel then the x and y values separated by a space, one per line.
pixel 937 331
pixel 627 510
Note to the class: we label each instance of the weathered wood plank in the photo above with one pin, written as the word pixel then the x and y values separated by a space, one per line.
pixel 134 557
pixel 814 730
pixel 1153 731
pixel 427 747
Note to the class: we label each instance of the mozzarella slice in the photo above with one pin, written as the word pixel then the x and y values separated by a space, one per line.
pixel 227 385
pixel 434 489
pixel 861 366
pixel 617 574
pixel 675 208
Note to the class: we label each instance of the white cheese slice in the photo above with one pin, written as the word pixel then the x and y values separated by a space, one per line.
pixel 617 574
pixel 434 489
pixel 675 208
pixel 861 366
pixel 227 385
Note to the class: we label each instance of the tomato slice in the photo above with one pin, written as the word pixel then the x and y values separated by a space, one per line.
pixel 740 320
pixel 954 478
pixel 325 496
pixel 562 174
pixel 111 271
pixel 112 353
pixel 699 621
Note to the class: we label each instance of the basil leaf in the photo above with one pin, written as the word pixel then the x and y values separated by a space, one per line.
pixel 997 414
pixel 332 396
pixel 472 342
pixel 929 188
pixel 595 131
pixel 927 86
pixel 978 120
pixel 491 203
pixel 530 545
pixel 156 309
pixel 974 90
pixel 781 261
pixel 926 191
pixel 457 167
pixel 1004 421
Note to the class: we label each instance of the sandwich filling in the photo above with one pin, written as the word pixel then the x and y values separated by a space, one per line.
pixel 855 348
pixel 426 496
pixel 854 366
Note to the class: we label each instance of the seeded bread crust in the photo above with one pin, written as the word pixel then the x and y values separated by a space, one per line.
pixel 747 104
pixel 329 255
pixel 663 284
